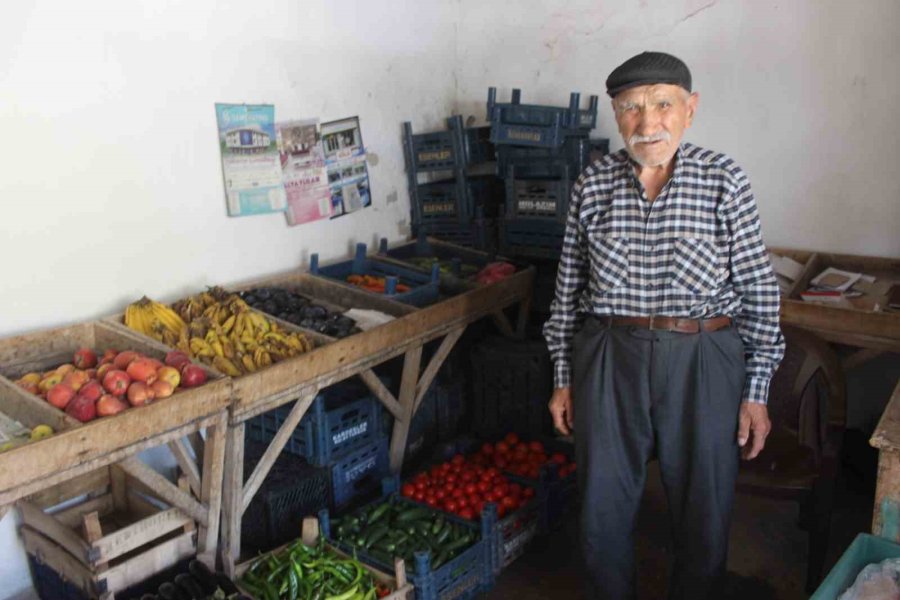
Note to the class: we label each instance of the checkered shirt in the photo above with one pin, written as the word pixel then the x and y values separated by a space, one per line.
pixel 695 252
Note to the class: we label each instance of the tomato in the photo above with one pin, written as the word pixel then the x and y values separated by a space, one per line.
pixel 478 507
pixel 436 471
pixel 515 489
pixel 533 472
pixel 501 462
pixel 440 493
pixel 521 449
pixel 489 474
pixel 502 447
pixel 470 488
pixel 511 438
pixel 408 490
pixel 451 505
pixel 420 485
pixel 462 501
pixel 467 476
pixel 483 486
pixel 501 511
pixel 536 446
pixel 487 448
pixel 419 496
pixel 528 492
pixel 503 488
pixel 458 492
pixel 559 458
pixel 451 478
pixel 467 514
pixel 474 498
pixel 432 502
pixel 509 502
pixel 458 459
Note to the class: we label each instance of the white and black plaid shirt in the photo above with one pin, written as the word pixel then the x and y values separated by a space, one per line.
pixel 695 252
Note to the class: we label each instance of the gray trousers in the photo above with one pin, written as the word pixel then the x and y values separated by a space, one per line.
pixel 637 391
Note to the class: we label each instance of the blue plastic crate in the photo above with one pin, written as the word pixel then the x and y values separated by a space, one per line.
pixel 360 472
pixel 532 125
pixel 533 238
pixel 463 197
pixel 546 199
pixel 342 418
pixel 465 576
pixel 424 289
pixel 460 262
pixel 514 532
pixel 436 150
pixel 479 148
pixel 480 233
pixel 576 152
pixel 864 550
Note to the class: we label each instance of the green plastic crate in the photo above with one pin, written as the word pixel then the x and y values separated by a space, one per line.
pixel 865 549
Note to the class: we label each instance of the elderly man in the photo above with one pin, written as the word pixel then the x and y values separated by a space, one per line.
pixel 664 333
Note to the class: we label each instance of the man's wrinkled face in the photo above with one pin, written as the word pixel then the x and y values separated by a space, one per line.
pixel 652 120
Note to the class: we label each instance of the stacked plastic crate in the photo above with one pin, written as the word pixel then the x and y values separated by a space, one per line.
pixel 541 150
pixel 446 201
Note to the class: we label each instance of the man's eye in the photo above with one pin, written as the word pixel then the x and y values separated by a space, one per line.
pixel 664 105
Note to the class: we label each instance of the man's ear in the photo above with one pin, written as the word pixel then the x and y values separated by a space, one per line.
pixel 692 102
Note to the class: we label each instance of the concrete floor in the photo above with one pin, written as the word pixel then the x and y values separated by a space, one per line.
pixel 767 551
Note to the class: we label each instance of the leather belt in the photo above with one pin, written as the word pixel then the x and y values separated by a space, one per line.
pixel 672 323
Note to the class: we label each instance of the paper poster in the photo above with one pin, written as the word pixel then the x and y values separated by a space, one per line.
pixel 250 160
pixel 304 174
pixel 345 158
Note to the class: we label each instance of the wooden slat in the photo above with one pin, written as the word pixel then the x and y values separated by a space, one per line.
pixel 211 489
pixel 71 517
pixel 434 365
pixel 35 518
pixel 140 507
pixel 90 526
pixel 810 269
pixel 197 445
pixel 502 322
pixel 186 464
pixel 117 479
pixel 165 490
pixel 59 559
pixel 154 560
pixel 407 400
pixel 275 446
pixel 96 480
pixel 232 497
pixel 126 539
pixel 859 357
pixel 381 392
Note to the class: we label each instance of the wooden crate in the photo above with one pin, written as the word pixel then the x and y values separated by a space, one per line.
pixel 402 589
pixel 856 325
pixel 76 444
pixel 104 531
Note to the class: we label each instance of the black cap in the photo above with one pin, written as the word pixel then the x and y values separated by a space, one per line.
pixel 648 68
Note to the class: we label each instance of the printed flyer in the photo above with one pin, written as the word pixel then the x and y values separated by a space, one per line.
pixel 345 158
pixel 250 161
pixel 303 167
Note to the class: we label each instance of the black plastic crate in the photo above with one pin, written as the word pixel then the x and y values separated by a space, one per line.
pixel 292 490
pixel 531 238
pixel 512 382
pixel 533 125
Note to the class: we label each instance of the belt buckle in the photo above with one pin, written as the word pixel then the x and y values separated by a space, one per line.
pixel 650 323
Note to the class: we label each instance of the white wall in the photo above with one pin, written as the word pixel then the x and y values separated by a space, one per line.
pixel 800 93
pixel 110 180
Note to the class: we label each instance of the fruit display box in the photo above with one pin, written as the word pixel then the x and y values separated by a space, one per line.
pixel 75 443
pixel 479 234
pixel 864 550
pixel 455 262
pixel 104 532
pixel 532 125
pixel 422 289
pixel 531 238
pixel 467 575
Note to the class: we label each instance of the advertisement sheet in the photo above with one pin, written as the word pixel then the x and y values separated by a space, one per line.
pixel 303 167
pixel 345 158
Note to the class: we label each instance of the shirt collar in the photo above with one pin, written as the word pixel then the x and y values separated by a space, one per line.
pixel 677 172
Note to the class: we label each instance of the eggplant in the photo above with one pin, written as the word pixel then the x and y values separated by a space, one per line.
pixel 169 591
pixel 202 575
pixel 190 586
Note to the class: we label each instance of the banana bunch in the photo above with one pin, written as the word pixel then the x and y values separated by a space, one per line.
pixel 157 321
pixel 223 331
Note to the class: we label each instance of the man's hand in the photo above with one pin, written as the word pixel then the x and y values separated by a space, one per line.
pixel 753 419
pixel 561 409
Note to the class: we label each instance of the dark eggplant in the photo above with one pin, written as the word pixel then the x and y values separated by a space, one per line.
pixel 187 583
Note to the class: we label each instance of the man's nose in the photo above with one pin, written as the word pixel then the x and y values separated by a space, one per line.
pixel 649 122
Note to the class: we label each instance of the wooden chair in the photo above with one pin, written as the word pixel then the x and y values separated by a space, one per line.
pixel 808 408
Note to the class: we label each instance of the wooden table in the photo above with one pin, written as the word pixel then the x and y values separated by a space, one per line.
pixel 299 380
pixel 886 517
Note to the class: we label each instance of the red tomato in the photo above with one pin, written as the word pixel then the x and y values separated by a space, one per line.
pixel 483 486
pixel 420 485
pixel 471 488
pixel 559 458
pixel 501 511
pixel 502 447
pixel 440 493
pixel 501 462
pixel 477 507
pixel 533 472
pixel 458 493
pixel 521 449
pixel 451 478
pixel 419 496
pixel 432 502
pixel 511 438
pixel 462 501
pixel 467 475
pixel 489 474
pixel 528 492
pixel 536 446
pixel 408 490
pixel 451 505
pixel 458 459
pixel 509 502
pixel 467 513
pixel 436 471
pixel 487 448
pixel 515 489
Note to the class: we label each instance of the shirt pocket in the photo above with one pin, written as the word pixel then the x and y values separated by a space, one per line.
pixel 609 260
pixel 695 265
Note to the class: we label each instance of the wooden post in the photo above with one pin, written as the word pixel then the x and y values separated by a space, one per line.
pixel 90 525
pixel 232 496
pixel 211 489
pixel 435 363
pixel 187 465
pixel 408 383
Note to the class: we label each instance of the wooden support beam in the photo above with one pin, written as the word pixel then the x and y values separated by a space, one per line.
pixel 90 527
pixel 165 489
pixel 523 315
pixel 500 319
pixel 275 446
pixel 211 490
pixel 434 365
pixel 232 495
pixel 197 445
pixel 118 487
pixel 382 393
pixel 860 357
pixel 407 400
pixel 49 526
pixel 187 464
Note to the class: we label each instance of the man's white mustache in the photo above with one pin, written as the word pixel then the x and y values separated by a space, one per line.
pixel 662 136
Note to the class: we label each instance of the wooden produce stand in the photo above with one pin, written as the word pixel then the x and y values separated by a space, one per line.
pixel 886 517
pixel 874 331
pixel 72 461
pixel 299 379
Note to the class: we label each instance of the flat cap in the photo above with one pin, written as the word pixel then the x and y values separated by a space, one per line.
pixel 648 68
